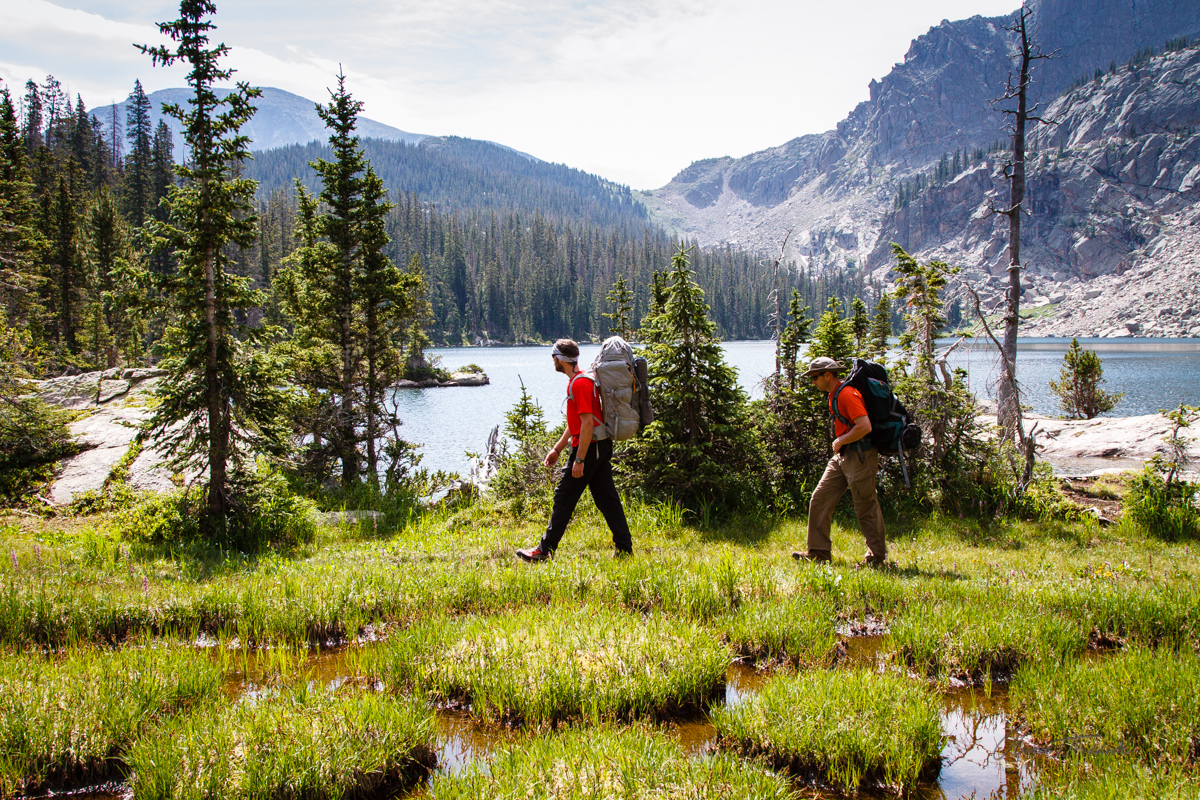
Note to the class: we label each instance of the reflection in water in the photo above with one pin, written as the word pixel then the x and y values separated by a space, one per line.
pixel 979 758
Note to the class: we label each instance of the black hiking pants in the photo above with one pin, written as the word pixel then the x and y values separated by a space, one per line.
pixel 597 476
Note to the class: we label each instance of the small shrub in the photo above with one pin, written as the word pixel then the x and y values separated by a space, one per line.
pixel 1160 500
pixel 265 513
pixel 33 435
pixel 1165 509
pixel 1078 386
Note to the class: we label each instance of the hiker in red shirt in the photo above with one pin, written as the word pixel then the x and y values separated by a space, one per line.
pixel 589 465
pixel 854 465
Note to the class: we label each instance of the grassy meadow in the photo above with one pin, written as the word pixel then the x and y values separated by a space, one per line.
pixel 319 671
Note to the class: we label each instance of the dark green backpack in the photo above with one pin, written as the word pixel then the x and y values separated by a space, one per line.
pixel 892 430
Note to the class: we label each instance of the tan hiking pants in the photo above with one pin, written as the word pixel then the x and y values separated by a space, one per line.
pixel 854 470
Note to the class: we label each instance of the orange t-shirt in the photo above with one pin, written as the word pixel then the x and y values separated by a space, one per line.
pixel 582 398
pixel 851 406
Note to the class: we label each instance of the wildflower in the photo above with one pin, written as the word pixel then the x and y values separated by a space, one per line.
pixel 13 555
pixel 145 585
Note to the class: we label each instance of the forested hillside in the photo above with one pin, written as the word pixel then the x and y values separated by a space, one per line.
pixel 513 249
pixel 465 174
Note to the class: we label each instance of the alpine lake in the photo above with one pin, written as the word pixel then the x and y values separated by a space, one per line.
pixel 451 422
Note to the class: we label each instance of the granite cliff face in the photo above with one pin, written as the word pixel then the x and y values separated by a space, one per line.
pixel 1112 188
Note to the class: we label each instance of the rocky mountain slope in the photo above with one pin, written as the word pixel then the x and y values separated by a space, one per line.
pixel 1113 192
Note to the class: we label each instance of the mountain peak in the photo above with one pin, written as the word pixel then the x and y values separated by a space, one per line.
pixel 282 119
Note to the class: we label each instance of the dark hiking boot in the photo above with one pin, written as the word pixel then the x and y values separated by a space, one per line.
pixel 871 561
pixel 534 554
pixel 619 554
pixel 812 555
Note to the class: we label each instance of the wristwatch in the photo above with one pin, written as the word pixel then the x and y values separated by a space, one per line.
pixel 579 461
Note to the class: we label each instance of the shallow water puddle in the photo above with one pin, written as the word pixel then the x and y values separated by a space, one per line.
pixel 979 759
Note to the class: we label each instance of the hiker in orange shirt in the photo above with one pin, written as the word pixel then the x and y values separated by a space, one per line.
pixel 854 465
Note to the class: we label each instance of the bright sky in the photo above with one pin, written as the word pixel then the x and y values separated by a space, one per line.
pixel 632 90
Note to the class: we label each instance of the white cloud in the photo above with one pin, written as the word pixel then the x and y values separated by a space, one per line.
pixel 631 89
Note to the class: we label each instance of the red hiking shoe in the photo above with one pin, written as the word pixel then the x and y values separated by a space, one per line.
pixel 534 554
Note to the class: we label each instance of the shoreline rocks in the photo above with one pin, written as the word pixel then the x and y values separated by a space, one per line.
pixel 456 379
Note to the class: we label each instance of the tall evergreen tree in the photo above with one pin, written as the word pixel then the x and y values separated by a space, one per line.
pixel 794 334
pixel 221 400
pixel 20 247
pixel 139 179
pixel 348 298
pixel 31 131
pixel 64 264
pixel 832 336
pixel 860 324
pixel 620 299
pixel 119 279
pixel 792 420
pixel 700 450
pixel 881 329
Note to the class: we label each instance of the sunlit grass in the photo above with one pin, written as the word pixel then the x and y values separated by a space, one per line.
pixel 301 742
pixel 1141 704
pixel 547 665
pixel 73 718
pixel 606 762
pixel 844 728
pixel 1110 778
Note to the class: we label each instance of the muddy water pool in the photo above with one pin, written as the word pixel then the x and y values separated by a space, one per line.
pixel 981 755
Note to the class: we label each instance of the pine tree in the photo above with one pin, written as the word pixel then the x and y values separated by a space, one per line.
pixel 700 450
pixel 792 422
pixel 881 329
pixel 620 299
pixel 1078 385
pixel 221 400
pixel 67 281
pixel 860 324
pixel 31 131
pixel 832 337
pixel 139 179
pixel 120 280
pixel 20 248
pixel 347 295
pixel 162 178
pixel 795 333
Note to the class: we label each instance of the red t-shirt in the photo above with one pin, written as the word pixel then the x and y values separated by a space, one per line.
pixel 582 398
pixel 851 406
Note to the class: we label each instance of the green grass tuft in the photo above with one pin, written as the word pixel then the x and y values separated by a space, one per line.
pixel 842 728
pixel 548 665
pixel 72 719
pixel 301 743
pixel 609 762
pixel 1140 704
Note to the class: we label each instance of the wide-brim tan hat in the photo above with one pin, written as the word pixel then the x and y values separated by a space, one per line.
pixel 824 364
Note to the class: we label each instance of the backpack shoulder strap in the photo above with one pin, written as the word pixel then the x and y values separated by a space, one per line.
pixel 578 375
pixel 836 412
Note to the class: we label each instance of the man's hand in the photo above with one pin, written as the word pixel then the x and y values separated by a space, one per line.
pixel 577 469
pixel 551 458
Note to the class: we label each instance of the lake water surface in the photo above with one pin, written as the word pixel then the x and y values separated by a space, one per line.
pixel 1153 373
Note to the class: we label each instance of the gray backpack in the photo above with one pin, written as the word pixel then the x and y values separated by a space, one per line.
pixel 621 382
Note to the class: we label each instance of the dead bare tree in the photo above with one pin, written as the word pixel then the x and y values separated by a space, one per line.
pixel 1008 411
pixel 777 314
